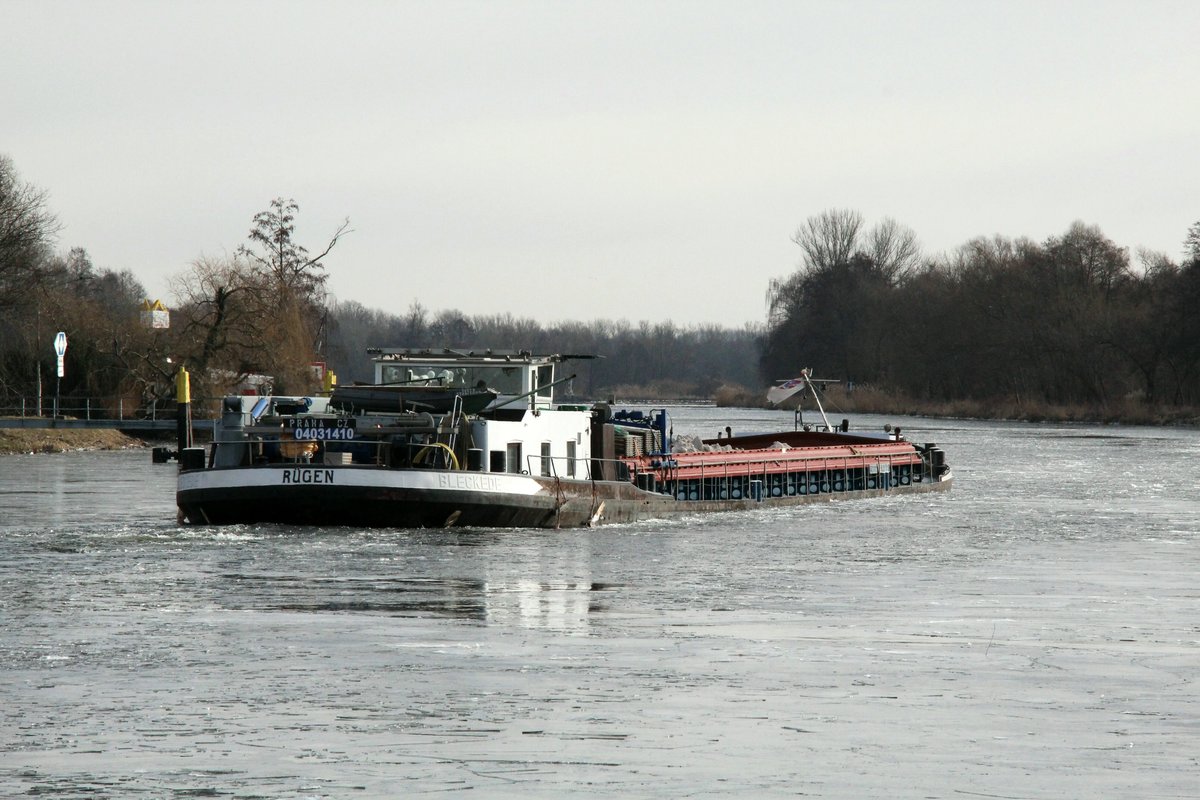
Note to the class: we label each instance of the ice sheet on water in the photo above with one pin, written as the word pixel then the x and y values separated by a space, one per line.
pixel 1033 628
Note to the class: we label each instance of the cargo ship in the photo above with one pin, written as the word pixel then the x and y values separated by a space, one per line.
pixel 484 443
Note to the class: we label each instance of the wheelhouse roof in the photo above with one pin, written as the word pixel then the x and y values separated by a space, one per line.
pixel 448 355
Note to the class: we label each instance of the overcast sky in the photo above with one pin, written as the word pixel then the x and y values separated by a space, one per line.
pixel 581 160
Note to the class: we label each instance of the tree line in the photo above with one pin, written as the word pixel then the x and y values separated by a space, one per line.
pixel 1068 321
pixel 264 313
pixel 643 361
pixel 1071 320
pixel 261 311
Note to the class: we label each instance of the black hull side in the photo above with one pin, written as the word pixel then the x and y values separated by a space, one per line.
pixel 559 506
pixel 363 507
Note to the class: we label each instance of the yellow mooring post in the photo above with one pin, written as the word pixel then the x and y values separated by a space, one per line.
pixel 330 381
pixel 183 409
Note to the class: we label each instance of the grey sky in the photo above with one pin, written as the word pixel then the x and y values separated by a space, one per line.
pixel 576 160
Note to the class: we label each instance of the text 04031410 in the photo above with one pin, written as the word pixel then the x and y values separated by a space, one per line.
pixel 332 429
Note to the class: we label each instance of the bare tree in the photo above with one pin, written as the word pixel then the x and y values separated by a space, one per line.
pixel 829 238
pixel 223 314
pixel 276 253
pixel 1191 244
pixel 894 248
pixel 835 305
pixel 27 229
pixel 297 278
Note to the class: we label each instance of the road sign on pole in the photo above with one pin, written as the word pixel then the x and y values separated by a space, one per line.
pixel 60 350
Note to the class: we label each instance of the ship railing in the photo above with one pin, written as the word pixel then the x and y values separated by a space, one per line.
pixel 729 479
pixel 371 447
pixel 758 479
pixel 560 467
pixel 332 447
pixel 271 444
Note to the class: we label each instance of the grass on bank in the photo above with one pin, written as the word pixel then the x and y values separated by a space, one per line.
pixel 62 440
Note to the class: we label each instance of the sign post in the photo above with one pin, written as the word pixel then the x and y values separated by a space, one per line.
pixel 60 350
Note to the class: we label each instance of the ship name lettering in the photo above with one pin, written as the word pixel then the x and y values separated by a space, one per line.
pixel 470 482
pixel 307 475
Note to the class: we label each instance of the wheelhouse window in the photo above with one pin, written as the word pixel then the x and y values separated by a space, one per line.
pixel 544 378
pixel 502 379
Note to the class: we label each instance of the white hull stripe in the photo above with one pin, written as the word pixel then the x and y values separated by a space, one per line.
pixel 319 475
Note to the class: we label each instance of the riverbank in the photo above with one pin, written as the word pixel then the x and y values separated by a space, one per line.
pixel 837 402
pixel 866 400
pixel 15 441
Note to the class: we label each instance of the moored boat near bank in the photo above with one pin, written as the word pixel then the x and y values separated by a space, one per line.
pixel 520 460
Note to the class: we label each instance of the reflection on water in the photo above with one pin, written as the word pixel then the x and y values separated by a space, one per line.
pixel 562 607
pixel 443 597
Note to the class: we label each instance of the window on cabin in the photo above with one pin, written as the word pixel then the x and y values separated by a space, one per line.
pixel 570 458
pixel 545 377
pixel 546 460
pixel 514 457
pixel 502 379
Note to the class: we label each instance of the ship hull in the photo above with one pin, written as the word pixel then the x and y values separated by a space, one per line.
pixel 372 497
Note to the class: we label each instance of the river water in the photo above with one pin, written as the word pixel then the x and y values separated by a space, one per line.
pixel 1034 633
